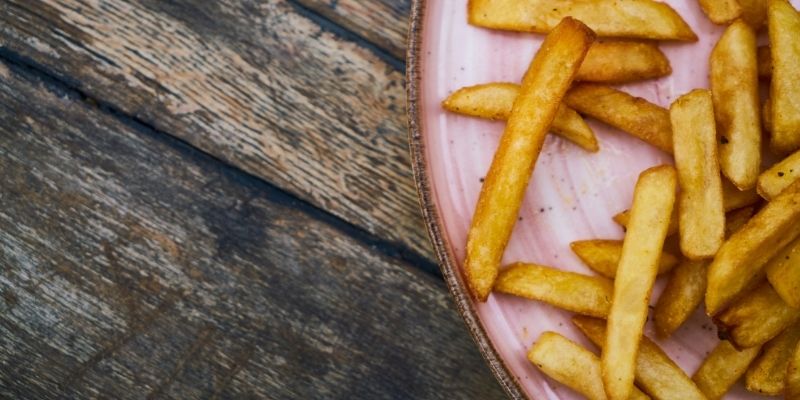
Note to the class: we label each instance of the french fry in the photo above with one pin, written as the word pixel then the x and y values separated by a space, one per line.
pixel 687 284
pixel 643 19
pixel 767 375
pixel 764 58
pixel 548 78
pixel 602 256
pixel 784 31
pixel 772 181
pixel 721 11
pixel 722 368
pixel 656 373
pixel 734 87
pixel 623 218
pixel 783 273
pixel 734 199
pixel 756 318
pixel 792 391
pixel 766 116
pixel 583 294
pixel 653 201
pixel 495 100
pixel 743 257
pixel 633 115
pixel 701 214
pixel 754 12
pixel 623 61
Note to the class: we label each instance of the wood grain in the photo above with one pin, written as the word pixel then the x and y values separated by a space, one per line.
pixel 253 83
pixel 134 266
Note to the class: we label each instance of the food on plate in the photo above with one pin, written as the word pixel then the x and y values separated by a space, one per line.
pixel 721 11
pixel 653 201
pixel 734 88
pixel 767 375
pixel 766 116
pixel 623 217
pixel 633 115
pixel 754 12
pixel 583 294
pixel 495 100
pixel 784 37
pixel 617 61
pixel 783 273
pixel 734 199
pixel 549 76
pixel 756 318
pixel 764 62
pixel 602 256
pixel 793 376
pixel 687 284
pixel 656 373
pixel 701 216
pixel 572 365
pixel 772 181
pixel 722 368
pixel 742 258
pixel 644 19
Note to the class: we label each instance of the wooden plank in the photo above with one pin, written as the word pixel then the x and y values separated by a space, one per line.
pixel 381 22
pixel 134 266
pixel 253 83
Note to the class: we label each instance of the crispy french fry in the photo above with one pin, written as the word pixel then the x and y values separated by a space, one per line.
pixel 756 318
pixel 633 115
pixel 495 100
pixel 656 373
pixel 734 86
pixel 772 181
pixel 721 11
pixel 583 294
pixel 743 257
pixel 549 76
pixel 792 391
pixel 644 19
pixel 653 201
pixel 722 368
pixel 783 272
pixel 701 214
pixel 623 61
pixel 764 58
pixel 754 12
pixel 602 256
pixel 687 284
pixel 784 30
pixel 623 217
pixel 767 375
pixel 572 365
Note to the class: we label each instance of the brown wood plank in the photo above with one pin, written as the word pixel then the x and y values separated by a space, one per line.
pixel 381 22
pixel 134 266
pixel 253 83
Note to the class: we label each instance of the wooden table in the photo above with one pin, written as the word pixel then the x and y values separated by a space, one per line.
pixel 213 199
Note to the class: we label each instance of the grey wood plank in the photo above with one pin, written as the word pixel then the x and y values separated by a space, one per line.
pixel 133 266
pixel 254 83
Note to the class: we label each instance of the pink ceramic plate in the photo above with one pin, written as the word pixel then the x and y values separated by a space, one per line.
pixel 572 196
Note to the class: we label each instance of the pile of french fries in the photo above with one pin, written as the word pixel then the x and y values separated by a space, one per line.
pixel 722 223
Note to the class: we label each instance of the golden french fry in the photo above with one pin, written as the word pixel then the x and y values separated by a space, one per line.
pixel 743 257
pixel 653 200
pixel 644 19
pixel 547 79
pixel 722 368
pixel 633 115
pixel 756 318
pixel 767 375
pixel 734 87
pixel 656 373
pixel 687 284
pixel 772 181
pixel 792 391
pixel 572 365
pixel 754 12
pixel 602 256
pixel 721 11
pixel 764 58
pixel 783 272
pixel 783 22
pixel 701 214
pixel 623 61
pixel 583 294
pixel 495 100
pixel 623 217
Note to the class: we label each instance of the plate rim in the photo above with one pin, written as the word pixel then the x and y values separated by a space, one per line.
pixel 433 223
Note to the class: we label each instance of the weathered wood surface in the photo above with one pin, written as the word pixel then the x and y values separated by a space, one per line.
pixel 254 83
pixel 134 266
